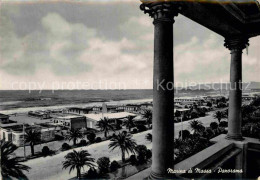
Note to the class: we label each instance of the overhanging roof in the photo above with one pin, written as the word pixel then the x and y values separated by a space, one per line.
pixel 227 18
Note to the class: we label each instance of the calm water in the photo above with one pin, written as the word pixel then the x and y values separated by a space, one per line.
pixel 23 99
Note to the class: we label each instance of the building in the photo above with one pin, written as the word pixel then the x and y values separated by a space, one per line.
pixel 129 108
pixel 146 105
pixel 39 114
pixel 247 97
pixel 79 110
pixel 4 118
pixel 92 119
pixel 70 121
pixel 188 100
pixel 14 133
pixel 96 109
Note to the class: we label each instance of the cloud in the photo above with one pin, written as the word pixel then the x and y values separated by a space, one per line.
pixel 209 61
pixel 65 47
pixel 58 47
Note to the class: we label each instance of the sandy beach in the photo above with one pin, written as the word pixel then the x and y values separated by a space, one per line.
pixel 90 104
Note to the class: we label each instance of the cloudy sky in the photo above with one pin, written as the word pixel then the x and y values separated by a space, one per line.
pixel 54 44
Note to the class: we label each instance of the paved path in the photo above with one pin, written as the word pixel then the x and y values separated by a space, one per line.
pixel 55 145
pixel 51 167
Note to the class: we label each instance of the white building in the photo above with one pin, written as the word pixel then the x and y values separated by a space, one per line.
pixel 92 119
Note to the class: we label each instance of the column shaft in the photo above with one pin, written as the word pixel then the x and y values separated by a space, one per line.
pixel 236 46
pixel 235 96
pixel 163 126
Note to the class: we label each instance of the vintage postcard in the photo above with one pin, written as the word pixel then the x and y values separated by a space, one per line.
pixel 129 89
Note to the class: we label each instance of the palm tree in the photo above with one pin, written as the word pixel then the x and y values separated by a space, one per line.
pixel 148 114
pixel 10 165
pixel 196 126
pixel 77 160
pixel 129 122
pixel 124 142
pixel 149 137
pixel 219 115
pixel 74 135
pixel 105 125
pixel 32 136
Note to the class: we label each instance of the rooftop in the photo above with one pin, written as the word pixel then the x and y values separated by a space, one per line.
pixel 119 115
pixel 68 116
pixel 24 118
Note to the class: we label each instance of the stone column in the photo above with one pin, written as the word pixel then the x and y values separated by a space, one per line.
pixel 163 88
pixel 236 46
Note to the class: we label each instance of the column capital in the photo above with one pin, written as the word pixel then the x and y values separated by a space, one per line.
pixel 162 11
pixel 236 43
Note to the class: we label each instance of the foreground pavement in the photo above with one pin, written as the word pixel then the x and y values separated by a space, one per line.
pixel 51 167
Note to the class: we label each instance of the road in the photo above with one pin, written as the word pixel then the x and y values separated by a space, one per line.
pixel 51 167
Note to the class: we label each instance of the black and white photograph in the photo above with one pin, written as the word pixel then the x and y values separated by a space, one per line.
pixel 129 89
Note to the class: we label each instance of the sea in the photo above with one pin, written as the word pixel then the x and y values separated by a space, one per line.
pixel 11 100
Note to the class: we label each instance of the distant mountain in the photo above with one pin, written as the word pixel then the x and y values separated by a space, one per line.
pixel 224 86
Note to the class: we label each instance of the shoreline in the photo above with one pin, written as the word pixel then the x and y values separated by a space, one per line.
pixel 89 104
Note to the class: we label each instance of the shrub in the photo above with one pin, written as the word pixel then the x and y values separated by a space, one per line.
pixel 65 146
pixel 185 134
pixel 209 133
pixel 98 140
pixel 141 153
pixel 91 137
pixel 149 137
pixel 221 105
pixel 209 104
pixel 223 124
pixel 118 127
pixel 133 159
pixel 83 142
pixel 92 173
pixel 194 115
pixel 214 125
pixel 149 154
pixel 114 166
pixel 141 128
pixel 103 164
pixel 46 151
pixel 135 131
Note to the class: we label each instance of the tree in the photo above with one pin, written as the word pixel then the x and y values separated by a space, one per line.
pixel 219 115
pixel 148 115
pixel 124 142
pixel 32 136
pixel 74 135
pixel 196 126
pixel 77 160
pixel 149 137
pixel 105 125
pixel 10 165
pixel 103 164
pixel 129 122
